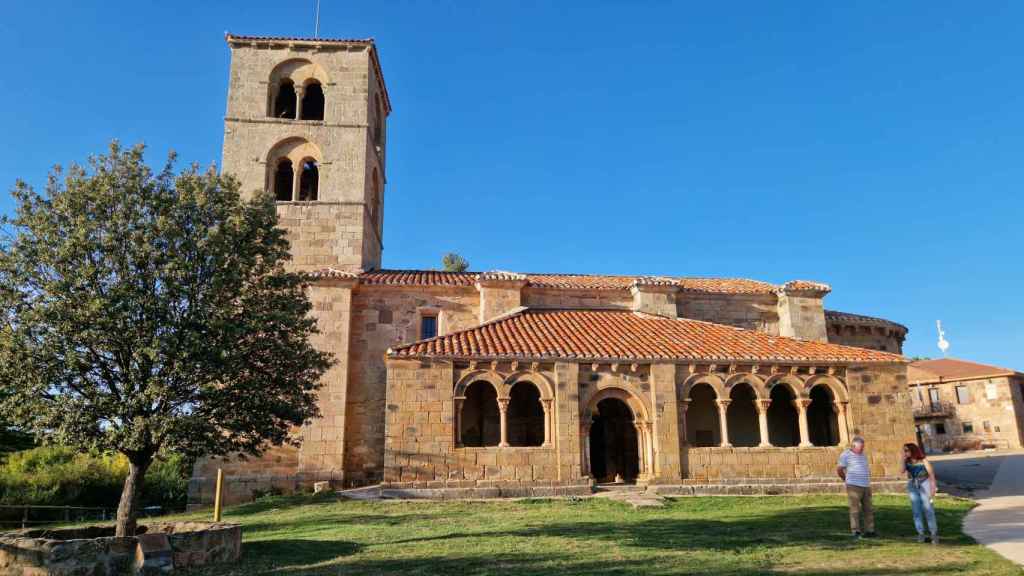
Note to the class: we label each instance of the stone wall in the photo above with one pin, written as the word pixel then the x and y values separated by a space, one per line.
pixel 590 299
pixel 802 315
pixel 880 412
pixel 864 336
pixel 156 549
pixel 751 311
pixel 385 317
pixel 996 401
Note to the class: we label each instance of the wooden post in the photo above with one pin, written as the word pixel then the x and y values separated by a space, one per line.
pixel 217 495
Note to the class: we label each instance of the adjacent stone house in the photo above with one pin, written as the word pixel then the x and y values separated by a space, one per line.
pixel 510 383
pixel 961 405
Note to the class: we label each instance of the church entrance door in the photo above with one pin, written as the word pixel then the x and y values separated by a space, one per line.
pixel 614 453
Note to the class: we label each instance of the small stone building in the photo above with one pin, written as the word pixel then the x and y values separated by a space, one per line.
pixel 512 383
pixel 961 405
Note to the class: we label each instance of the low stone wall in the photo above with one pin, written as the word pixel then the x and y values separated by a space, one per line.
pixel 773 488
pixel 469 491
pixel 157 548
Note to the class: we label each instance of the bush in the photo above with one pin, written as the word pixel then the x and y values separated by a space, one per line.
pixel 58 476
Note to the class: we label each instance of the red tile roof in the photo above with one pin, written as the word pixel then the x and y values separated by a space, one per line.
pixel 595 335
pixel 944 369
pixel 567 281
pixel 836 317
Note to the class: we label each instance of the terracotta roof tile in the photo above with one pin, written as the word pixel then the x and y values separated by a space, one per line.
pixel 619 335
pixel 567 281
pixel 418 278
pixel 836 317
pixel 952 369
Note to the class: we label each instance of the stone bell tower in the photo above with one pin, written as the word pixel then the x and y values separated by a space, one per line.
pixel 306 121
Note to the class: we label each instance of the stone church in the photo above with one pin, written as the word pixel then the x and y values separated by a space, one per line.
pixel 503 383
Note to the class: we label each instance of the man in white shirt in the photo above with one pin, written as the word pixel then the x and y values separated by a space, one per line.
pixel 853 469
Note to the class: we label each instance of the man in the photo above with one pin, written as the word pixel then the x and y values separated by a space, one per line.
pixel 853 469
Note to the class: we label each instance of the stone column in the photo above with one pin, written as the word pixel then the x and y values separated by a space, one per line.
pixel 684 405
pixel 723 405
pixel 801 405
pixel 548 413
pixel 841 423
pixel 296 181
pixel 457 419
pixel 652 468
pixel 585 442
pixel 641 448
pixel 762 420
pixel 299 93
pixel 503 409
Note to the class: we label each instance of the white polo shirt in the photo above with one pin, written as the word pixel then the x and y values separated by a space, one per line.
pixel 857 472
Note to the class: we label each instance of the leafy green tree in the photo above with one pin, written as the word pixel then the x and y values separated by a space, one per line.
pixel 146 313
pixel 452 262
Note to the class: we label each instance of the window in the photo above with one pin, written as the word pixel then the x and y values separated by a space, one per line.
pixel 991 391
pixel 313 102
pixel 309 183
pixel 284 103
pixel 283 177
pixel 933 395
pixel 428 326
pixel 525 416
pixel 940 427
pixel 968 427
pixel 963 395
pixel 987 426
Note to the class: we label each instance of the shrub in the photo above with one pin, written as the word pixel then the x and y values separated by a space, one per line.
pixel 59 476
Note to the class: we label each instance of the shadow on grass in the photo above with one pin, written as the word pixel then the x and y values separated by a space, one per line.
pixel 300 552
pixel 817 527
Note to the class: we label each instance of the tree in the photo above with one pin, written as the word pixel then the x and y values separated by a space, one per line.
pixel 151 312
pixel 454 263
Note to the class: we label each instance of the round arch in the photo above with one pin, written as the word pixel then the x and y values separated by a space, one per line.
pixel 712 380
pixel 795 385
pixel 489 376
pixel 632 401
pixel 835 386
pixel 298 70
pixel 544 386
pixel 755 382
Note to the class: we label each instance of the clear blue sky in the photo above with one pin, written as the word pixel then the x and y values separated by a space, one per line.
pixel 876 147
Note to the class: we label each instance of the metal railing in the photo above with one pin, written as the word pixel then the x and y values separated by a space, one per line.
pixel 28 515
pixel 929 409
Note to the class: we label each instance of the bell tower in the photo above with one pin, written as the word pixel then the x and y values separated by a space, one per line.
pixel 306 121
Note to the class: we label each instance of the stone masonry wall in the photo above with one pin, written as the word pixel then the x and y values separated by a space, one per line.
pixel 419 448
pixel 870 337
pixel 751 311
pixel 384 317
pixel 880 411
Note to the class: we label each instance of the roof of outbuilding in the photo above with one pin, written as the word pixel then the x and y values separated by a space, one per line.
pixel 945 369
pixel 579 281
pixel 602 335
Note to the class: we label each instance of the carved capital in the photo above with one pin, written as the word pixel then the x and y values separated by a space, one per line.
pixel 503 404
pixel 801 404
pixel 762 406
pixel 723 404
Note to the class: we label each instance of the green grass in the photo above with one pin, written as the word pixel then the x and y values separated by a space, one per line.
pixel 772 535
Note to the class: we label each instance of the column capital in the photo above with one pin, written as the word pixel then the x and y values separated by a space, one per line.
pixel 684 405
pixel 762 406
pixel 723 404
pixel 503 404
pixel 801 404
pixel 545 403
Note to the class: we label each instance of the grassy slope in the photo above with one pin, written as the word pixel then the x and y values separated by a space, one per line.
pixel 775 535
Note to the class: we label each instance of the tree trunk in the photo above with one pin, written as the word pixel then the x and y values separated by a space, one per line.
pixel 128 508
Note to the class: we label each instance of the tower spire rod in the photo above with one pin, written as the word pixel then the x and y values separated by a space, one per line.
pixel 316 24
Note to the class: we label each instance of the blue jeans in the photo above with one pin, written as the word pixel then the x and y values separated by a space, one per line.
pixel 921 503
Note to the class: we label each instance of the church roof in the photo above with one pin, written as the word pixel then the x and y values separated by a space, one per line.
pixel 834 316
pixel 585 282
pixel 947 369
pixel 607 335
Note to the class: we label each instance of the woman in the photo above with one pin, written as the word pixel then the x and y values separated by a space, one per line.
pixel 921 488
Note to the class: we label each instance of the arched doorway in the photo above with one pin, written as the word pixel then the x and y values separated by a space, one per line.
pixel 614 450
